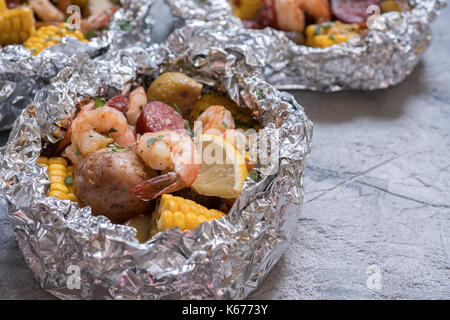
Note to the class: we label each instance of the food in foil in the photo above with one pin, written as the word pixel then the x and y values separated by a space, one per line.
pixel 314 23
pixel 38 24
pixel 126 158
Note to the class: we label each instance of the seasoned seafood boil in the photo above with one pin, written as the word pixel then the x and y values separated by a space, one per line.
pixel 38 24
pixel 145 159
pixel 314 23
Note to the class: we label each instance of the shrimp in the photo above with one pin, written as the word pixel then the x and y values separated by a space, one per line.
pixel 136 101
pixel 95 129
pixel 46 11
pixel 66 140
pixel 291 13
pixel 216 120
pixel 174 153
pixel 98 20
pixel 318 9
pixel 290 16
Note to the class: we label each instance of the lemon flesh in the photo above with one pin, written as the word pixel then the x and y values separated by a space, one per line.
pixel 222 170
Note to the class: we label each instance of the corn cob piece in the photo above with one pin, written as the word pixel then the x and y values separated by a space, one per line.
pixel 241 116
pixel 3 6
pixel 61 177
pixel 16 25
pixel 330 33
pixel 48 36
pixel 176 211
pixel 245 9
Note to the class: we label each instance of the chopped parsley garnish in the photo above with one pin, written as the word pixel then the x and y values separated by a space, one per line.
pixel 331 38
pixel 224 124
pixel 112 130
pixel 90 34
pixel 124 189
pixel 176 108
pixel 153 140
pixel 188 128
pixel 78 152
pixel 99 103
pixel 124 24
pixel 254 175
pixel 260 94
pixel 68 181
pixel 114 147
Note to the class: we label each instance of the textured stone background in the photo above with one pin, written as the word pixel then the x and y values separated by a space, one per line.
pixel 377 194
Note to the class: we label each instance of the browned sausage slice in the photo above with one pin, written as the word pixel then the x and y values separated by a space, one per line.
pixel 157 116
pixel 352 11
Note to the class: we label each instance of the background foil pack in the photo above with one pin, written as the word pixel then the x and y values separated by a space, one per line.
pixel 382 57
pixel 221 259
pixel 22 75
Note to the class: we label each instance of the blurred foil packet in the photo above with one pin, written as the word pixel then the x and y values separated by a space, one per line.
pixel 22 74
pixel 221 259
pixel 381 57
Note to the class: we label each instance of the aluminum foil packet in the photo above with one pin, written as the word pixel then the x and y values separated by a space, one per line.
pixel 221 259
pixel 22 74
pixel 380 58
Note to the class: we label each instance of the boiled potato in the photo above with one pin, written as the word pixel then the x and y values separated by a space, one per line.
pixel 175 89
pixel 103 181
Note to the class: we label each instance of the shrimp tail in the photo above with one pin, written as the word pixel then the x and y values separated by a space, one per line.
pixel 153 188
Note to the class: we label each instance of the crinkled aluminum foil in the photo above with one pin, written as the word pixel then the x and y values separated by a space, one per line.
pixel 382 57
pixel 221 259
pixel 22 75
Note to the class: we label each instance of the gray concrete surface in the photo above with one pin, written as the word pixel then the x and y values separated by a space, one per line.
pixel 376 219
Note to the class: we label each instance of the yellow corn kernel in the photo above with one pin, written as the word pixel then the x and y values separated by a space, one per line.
pixel 192 221
pixel 179 220
pixel 3 6
pixel 60 173
pixel 48 36
pixel 216 213
pixel 42 160
pixel 56 166
pixel 59 194
pixel 58 160
pixel 72 197
pixel 183 213
pixel 57 186
pixel 16 25
pixel 165 221
pixel 245 9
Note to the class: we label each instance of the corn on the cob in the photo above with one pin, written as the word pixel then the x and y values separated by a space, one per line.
pixel 179 212
pixel 61 177
pixel 330 33
pixel 245 9
pixel 241 116
pixel 16 25
pixel 48 36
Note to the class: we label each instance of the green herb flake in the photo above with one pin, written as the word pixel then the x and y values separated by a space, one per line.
pixel 124 190
pixel 90 34
pixel 78 152
pixel 224 124
pixel 331 38
pixel 316 30
pixel 99 103
pixel 68 181
pixel 124 24
pixel 254 175
pixel 112 130
pixel 114 147
pixel 176 108
pixel 153 140
pixel 260 94
pixel 188 128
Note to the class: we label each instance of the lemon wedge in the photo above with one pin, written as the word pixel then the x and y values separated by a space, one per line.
pixel 222 170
